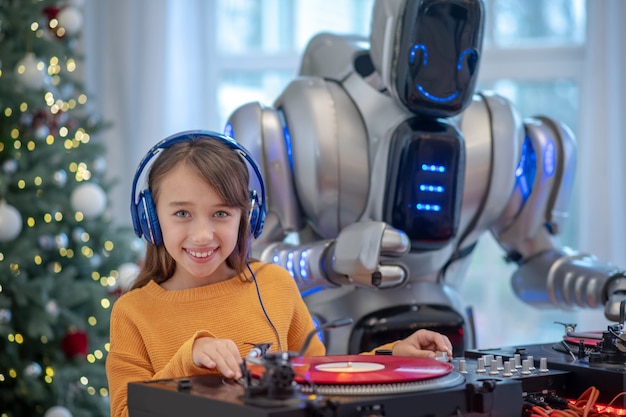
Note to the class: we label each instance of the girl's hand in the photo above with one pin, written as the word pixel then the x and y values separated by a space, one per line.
pixel 424 343
pixel 220 354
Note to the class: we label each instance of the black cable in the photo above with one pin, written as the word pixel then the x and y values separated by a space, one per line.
pixel 258 292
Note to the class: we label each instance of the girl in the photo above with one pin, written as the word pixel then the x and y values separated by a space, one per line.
pixel 199 304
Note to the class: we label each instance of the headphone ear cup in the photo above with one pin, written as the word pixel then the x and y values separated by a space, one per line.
pixel 148 219
pixel 255 215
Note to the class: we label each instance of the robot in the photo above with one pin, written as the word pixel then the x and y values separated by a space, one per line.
pixel 384 166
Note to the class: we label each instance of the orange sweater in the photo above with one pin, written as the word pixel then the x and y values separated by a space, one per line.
pixel 153 330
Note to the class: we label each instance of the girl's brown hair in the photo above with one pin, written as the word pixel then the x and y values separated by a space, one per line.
pixel 226 172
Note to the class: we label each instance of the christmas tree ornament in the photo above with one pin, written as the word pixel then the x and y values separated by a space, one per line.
pixel 52 308
pixel 33 370
pixel 10 222
pixel 31 72
pixel 127 274
pixel 42 132
pixel 57 411
pixel 77 234
pixel 89 199
pixel 46 242
pixel 100 165
pixel 95 261
pixel 9 166
pixel 71 19
pixel 61 241
pixel 74 343
pixel 26 118
pixel 60 178
pixel 5 315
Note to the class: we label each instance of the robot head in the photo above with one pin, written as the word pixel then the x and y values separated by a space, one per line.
pixel 427 52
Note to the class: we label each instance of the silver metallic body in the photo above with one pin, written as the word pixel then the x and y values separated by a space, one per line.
pixel 330 199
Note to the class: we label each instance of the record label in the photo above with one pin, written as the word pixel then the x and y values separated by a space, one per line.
pixel 365 369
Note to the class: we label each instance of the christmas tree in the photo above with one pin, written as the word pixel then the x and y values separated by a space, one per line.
pixel 61 257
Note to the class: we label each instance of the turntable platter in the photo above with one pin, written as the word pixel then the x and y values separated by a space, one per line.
pixel 362 369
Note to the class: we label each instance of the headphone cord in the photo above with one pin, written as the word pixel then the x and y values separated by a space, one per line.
pixel 256 284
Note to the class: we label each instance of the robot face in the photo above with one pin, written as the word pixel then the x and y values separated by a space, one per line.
pixel 439 49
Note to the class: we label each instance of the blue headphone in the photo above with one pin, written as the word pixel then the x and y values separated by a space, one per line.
pixel 143 209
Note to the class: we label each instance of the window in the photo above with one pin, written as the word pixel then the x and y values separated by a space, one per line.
pixel 533 54
pixel 257 61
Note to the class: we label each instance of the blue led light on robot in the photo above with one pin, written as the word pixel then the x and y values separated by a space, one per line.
pixel 317 323
pixel 415 48
pixel 525 171
pixel 459 65
pixel 435 98
pixel 428 207
pixel 433 168
pixel 303 263
pixel 432 188
pixel 289 265
pixel 286 137
pixel 310 291
pixel 549 159
pixel 228 130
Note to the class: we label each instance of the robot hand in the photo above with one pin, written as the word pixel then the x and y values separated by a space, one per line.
pixel 616 294
pixel 363 255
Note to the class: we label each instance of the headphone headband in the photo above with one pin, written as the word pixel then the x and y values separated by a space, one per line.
pixel 142 207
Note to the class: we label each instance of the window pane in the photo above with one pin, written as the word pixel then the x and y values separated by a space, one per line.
pixel 521 21
pixel 275 26
pixel 239 87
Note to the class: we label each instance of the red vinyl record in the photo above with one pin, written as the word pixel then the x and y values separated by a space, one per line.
pixel 366 369
pixel 587 341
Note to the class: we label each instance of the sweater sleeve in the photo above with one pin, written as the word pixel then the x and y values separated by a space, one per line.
pixel 128 360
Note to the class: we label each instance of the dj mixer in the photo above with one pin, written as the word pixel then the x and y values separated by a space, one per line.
pixel 500 382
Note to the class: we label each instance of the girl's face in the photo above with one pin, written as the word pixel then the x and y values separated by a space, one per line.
pixel 198 230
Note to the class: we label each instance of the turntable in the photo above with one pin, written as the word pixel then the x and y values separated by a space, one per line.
pixel 345 386
pixel 499 382
pixel 593 359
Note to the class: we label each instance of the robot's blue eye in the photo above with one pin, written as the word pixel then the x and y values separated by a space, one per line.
pixel 471 60
pixel 414 49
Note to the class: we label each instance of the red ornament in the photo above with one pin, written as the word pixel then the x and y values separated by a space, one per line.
pixel 51 12
pixel 74 343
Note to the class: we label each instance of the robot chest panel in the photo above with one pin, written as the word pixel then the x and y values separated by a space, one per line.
pixel 424 182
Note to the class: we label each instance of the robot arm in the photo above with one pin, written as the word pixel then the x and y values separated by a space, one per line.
pixel 303 151
pixel 340 261
pixel 550 275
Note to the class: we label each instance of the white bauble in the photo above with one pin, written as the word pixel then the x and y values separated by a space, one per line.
pixel 71 19
pixel 57 411
pixel 127 274
pixel 31 72
pixel 10 222
pixel 89 199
